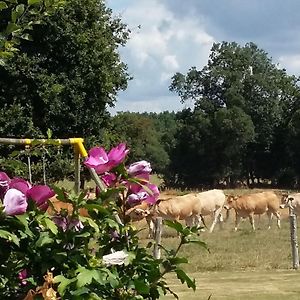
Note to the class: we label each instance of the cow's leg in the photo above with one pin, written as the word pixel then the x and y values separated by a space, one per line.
pixel 277 215
pixel 220 221
pixel 270 215
pixel 251 219
pixel 215 219
pixel 237 221
pixel 151 228
pixel 190 221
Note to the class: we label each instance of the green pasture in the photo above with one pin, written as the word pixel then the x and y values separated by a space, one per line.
pixel 240 265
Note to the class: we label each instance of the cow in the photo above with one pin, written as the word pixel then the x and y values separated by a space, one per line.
pixel 56 205
pixel 292 201
pixel 190 207
pixel 254 204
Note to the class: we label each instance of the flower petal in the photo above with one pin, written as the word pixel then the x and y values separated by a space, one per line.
pixel 15 202
pixel 117 154
pixel 138 168
pixel 97 156
pixel 116 258
pixel 40 194
pixel 20 184
pixel 4 183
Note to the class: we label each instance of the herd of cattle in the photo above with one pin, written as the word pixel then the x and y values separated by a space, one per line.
pixel 194 206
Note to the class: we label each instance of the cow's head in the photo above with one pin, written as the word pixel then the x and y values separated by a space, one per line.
pixel 137 214
pixel 286 201
pixel 230 201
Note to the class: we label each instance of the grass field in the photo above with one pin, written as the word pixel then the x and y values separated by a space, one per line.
pixel 240 265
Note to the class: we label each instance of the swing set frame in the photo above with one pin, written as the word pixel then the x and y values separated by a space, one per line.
pixel 79 151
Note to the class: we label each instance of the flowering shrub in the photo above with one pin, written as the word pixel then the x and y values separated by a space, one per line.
pixel 92 250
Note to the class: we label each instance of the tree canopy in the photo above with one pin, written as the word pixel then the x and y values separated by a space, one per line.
pixel 241 101
pixel 67 76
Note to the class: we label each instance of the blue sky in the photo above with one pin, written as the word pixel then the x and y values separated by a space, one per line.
pixel 175 35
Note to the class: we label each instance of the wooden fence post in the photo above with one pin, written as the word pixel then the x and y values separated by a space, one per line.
pixel 157 236
pixel 294 239
pixel 77 170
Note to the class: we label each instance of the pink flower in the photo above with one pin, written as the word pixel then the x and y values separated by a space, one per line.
pixel 61 222
pixel 15 202
pixel 40 194
pixel 22 276
pixel 103 162
pixel 117 154
pixel 142 180
pixel 134 199
pixel 153 194
pixel 66 223
pixel 98 160
pixel 20 184
pixel 109 178
pixel 75 225
pixel 139 168
pixel 148 193
pixel 4 183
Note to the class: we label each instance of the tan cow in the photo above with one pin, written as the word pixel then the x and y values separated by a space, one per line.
pixel 292 201
pixel 254 204
pixel 191 208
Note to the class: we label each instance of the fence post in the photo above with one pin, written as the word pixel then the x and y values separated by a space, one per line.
pixel 294 239
pixel 157 237
pixel 77 170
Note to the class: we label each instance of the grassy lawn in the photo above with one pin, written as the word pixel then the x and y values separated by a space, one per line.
pixel 242 265
pixel 241 285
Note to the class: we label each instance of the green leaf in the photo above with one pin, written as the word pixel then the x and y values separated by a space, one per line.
pixel 3 5
pixel 50 225
pixel 49 131
pixel 184 278
pixel 33 2
pixel 141 286
pixel 178 260
pixel 24 221
pixel 86 276
pixel 9 236
pixel 200 243
pixel 11 27
pixel 27 37
pixel 44 239
pixel 175 225
pixel 20 9
pixel 63 283
pixel 91 222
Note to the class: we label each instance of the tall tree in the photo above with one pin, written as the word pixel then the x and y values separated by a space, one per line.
pixel 243 78
pixel 69 74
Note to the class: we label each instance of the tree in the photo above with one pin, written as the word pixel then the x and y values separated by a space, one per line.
pixel 17 20
pixel 243 78
pixel 139 132
pixel 67 76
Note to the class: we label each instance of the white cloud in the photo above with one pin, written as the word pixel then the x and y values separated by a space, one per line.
pixel 291 63
pixel 163 45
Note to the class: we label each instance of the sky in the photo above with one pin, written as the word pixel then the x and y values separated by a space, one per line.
pixel 170 36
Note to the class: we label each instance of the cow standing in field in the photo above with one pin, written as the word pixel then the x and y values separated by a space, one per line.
pixel 254 204
pixel 292 201
pixel 191 208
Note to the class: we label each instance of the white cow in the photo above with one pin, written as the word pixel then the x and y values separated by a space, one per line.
pixel 191 208
pixel 292 201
